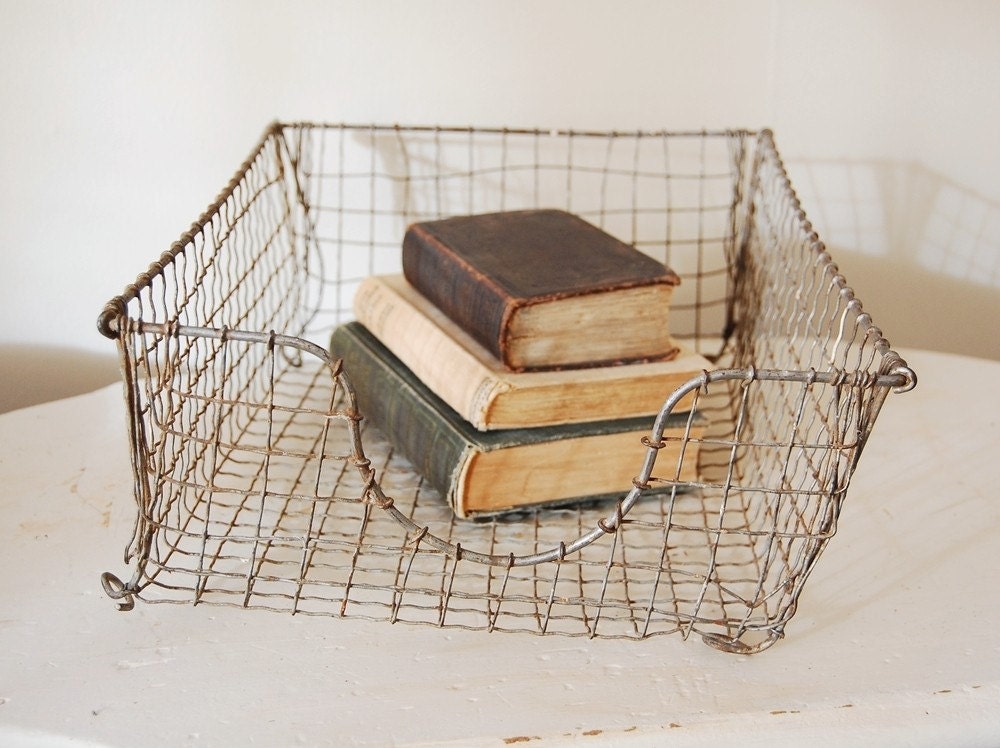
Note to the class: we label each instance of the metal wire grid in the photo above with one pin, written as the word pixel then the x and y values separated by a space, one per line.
pixel 258 485
pixel 673 195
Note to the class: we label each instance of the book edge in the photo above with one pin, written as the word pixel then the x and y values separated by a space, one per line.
pixel 498 384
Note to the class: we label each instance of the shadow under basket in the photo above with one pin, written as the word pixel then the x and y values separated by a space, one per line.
pixel 258 483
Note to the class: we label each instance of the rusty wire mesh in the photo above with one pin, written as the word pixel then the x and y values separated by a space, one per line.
pixel 258 485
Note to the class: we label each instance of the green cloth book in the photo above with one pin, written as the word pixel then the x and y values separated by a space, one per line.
pixel 488 472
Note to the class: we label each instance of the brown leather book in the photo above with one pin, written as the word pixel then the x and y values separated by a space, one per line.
pixel 543 289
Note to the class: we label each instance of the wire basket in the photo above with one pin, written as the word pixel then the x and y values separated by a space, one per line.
pixel 259 485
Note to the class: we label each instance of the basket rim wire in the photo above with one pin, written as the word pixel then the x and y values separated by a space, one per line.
pixel 115 323
pixel 115 309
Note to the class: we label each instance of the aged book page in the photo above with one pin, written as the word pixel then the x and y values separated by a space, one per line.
pixel 564 469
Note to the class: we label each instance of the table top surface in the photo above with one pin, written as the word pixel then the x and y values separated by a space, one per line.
pixel 894 637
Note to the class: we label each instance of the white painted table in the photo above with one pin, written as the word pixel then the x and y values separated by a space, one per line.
pixel 895 639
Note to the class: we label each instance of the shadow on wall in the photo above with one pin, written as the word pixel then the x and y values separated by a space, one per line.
pixel 921 252
pixel 32 374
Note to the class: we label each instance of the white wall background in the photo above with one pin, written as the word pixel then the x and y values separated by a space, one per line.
pixel 121 120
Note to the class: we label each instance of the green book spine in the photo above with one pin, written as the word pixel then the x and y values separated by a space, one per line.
pixel 394 401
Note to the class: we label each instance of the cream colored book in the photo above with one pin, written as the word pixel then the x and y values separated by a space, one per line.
pixel 489 396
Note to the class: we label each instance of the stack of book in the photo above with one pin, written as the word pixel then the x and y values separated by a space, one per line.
pixel 519 359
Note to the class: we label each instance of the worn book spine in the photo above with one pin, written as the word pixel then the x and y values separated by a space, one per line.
pixel 390 398
pixel 457 288
pixel 442 362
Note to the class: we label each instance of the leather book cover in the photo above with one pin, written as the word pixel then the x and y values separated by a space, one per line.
pixel 481 270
